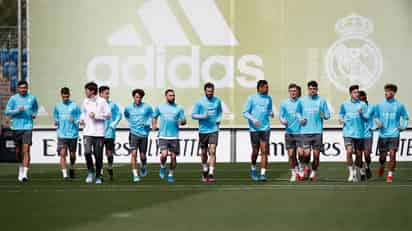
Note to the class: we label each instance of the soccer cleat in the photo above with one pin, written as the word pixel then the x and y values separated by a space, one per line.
pixel 89 178
pixel 389 179
pixel 143 171
pixel 71 173
pixel 211 179
pixel 363 177
pixel 25 179
pixel 293 178
pixel 306 172
pixel 299 176
pixel 313 178
pixel 110 171
pixel 263 177
pixel 381 171
pixel 368 173
pixel 162 173
pixel 136 178
pixel 350 178
pixel 253 175
pixel 204 179
pixel 99 180
pixel 170 179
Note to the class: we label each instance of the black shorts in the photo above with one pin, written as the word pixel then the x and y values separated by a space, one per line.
pixel 387 144
pixel 208 138
pixel 169 145
pixel 368 143
pixel 311 141
pixel 356 143
pixel 109 144
pixel 292 140
pixel 261 136
pixel 68 144
pixel 22 137
pixel 138 143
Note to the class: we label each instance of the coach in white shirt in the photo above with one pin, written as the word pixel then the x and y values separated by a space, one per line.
pixel 94 112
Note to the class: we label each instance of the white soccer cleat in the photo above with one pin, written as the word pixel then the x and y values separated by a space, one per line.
pixel 292 178
pixel 350 178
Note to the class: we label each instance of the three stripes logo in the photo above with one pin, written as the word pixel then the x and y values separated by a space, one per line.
pixel 161 62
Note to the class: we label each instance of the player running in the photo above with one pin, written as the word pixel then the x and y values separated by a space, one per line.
pixel 23 108
pixel 66 115
pixel 389 113
pixel 352 114
pixel 312 111
pixel 368 137
pixel 289 118
pixel 171 116
pixel 208 111
pixel 139 116
pixel 258 110
pixel 110 128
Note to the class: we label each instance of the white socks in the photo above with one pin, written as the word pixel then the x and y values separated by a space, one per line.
pixel 211 170
pixel 171 171
pixel 64 173
pixel 262 171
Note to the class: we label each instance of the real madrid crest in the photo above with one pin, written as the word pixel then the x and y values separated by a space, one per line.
pixel 354 58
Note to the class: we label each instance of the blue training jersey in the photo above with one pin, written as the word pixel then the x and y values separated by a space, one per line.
pixel 111 124
pixel 389 113
pixel 139 117
pixel 287 112
pixel 22 120
pixel 369 125
pixel 309 108
pixel 67 116
pixel 213 107
pixel 353 121
pixel 169 115
pixel 258 107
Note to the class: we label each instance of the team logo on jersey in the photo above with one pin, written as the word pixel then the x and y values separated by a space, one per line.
pixel 354 58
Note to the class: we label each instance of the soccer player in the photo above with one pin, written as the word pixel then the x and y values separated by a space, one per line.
pixel 258 110
pixel 171 117
pixel 139 116
pixel 389 112
pixel 312 111
pixel 289 118
pixel 66 117
pixel 208 111
pixel 23 108
pixel 110 128
pixel 368 136
pixel 352 114
pixel 94 112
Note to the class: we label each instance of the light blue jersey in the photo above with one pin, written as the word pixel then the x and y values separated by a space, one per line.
pixel 139 117
pixel 213 107
pixel 287 112
pixel 111 124
pixel 258 107
pixel 309 108
pixel 369 125
pixel 389 113
pixel 353 121
pixel 169 115
pixel 22 120
pixel 67 116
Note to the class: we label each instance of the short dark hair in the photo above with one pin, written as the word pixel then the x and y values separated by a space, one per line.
pixel 353 87
pixel 91 86
pixel 208 85
pixel 313 83
pixel 363 94
pixel 169 90
pixel 138 91
pixel 293 85
pixel 391 87
pixel 22 82
pixel 261 83
pixel 103 88
pixel 65 91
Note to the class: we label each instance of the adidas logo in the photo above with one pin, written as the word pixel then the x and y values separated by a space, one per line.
pixel 163 57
